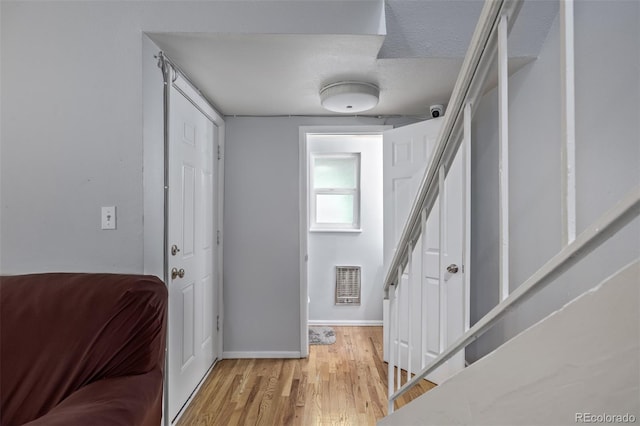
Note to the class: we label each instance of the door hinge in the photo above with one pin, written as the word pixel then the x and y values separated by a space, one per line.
pixel 219 153
pixel 218 323
pixel 218 237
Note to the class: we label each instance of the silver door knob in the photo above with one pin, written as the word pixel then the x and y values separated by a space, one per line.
pixel 452 269
pixel 174 250
pixel 177 273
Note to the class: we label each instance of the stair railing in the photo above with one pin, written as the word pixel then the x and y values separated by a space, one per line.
pixel 489 40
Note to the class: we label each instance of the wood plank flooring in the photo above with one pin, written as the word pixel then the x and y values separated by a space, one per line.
pixel 340 384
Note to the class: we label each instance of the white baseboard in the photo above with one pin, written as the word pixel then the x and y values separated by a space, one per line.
pixel 348 323
pixel 260 354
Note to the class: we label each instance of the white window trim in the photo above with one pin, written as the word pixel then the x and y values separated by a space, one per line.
pixel 313 192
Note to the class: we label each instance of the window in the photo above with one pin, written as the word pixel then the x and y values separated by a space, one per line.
pixel 335 191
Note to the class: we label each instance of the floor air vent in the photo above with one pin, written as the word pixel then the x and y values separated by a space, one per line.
pixel 347 285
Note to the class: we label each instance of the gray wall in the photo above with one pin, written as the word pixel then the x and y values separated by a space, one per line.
pixel 72 116
pixel 153 160
pixel 76 123
pixel 72 141
pixel 608 164
pixel 261 222
pixel 71 138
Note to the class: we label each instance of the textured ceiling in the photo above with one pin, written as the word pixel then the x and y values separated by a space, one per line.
pixel 423 29
pixel 282 74
pixel 443 28
pixel 415 64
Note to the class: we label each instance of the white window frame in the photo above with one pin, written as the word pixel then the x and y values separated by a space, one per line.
pixel 354 226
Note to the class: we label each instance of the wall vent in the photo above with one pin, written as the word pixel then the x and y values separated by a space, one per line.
pixel 347 285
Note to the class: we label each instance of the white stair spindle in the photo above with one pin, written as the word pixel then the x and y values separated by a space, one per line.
pixel 390 343
pixel 423 293
pixel 409 317
pixel 399 347
pixel 568 123
pixel 503 153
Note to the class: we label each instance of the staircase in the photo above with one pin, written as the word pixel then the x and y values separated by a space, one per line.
pixel 572 363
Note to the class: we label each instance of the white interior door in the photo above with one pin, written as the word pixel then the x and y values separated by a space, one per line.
pixel 192 249
pixel 432 308
pixel 406 152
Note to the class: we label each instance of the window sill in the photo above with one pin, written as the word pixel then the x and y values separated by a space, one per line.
pixel 337 230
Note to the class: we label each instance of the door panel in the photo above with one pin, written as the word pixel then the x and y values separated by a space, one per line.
pixel 207 326
pixel 403 194
pixel 406 153
pixel 188 206
pixel 188 347
pixel 432 283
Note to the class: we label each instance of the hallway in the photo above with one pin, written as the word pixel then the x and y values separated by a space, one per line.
pixel 340 384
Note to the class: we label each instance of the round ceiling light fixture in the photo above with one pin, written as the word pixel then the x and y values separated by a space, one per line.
pixel 349 96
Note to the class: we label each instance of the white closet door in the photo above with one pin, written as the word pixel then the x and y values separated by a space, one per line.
pixel 192 249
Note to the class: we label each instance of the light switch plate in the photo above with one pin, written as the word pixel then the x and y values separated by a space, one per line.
pixel 109 217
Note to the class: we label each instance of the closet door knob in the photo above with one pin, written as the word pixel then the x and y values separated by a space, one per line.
pixel 177 273
pixel 452 269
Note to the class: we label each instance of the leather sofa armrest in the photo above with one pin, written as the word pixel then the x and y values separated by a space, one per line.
pixel 126 401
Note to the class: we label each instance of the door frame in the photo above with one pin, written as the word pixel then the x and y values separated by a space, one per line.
pixel 156 89
pixel 303 209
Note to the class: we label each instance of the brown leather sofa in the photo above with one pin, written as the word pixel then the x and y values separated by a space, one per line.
pixel 81 349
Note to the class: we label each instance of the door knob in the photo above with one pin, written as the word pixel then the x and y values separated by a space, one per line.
pixel 174 250
pixel 177 273
pixel 452 269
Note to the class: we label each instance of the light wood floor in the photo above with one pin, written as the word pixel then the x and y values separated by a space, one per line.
pixel 340 384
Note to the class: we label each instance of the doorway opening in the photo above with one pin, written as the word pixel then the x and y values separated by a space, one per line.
pixel 341 227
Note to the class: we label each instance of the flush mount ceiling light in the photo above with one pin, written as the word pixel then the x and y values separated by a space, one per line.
pixel 349 96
